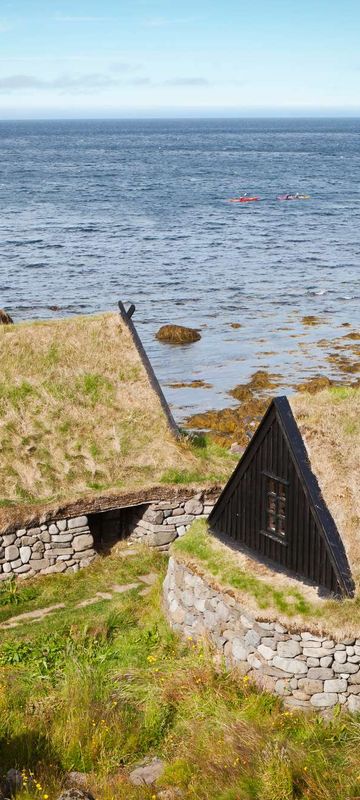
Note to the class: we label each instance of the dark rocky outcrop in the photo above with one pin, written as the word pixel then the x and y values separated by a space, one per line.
pixel 177 334
pixel 5 318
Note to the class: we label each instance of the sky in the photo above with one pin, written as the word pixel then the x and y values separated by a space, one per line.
pixel 128 58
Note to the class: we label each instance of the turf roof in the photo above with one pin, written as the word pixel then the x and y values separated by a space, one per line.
pixel 330 426
pixel 80 424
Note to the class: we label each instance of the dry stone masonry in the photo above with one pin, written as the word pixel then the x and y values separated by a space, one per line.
pixel 308 671
pixel 160 523
pixel 61 546
pixel 66 545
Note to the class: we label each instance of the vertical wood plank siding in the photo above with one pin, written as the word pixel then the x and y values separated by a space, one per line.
pixel 311 547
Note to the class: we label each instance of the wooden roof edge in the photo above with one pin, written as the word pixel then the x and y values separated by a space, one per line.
pixel 126 316
pixel 310 483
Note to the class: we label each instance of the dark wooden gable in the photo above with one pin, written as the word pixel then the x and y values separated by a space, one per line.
pixel 273 505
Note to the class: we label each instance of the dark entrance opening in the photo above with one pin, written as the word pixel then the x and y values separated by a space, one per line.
pixel 110 527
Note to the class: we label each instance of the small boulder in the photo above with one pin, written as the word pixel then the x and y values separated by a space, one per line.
pixel 77 780
pixel 146 774
pixel 5 318
pixel 5 789
pixel 177 334
pixel 194 506
pixel 76 794
pixel 11 784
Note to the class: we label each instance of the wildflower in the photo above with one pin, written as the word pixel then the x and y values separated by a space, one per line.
pixel 45 797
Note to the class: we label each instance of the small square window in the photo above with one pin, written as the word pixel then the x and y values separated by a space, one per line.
pixel 275 507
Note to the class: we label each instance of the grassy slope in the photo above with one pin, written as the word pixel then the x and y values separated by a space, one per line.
pixel 269 599
pixel 78 417
pixel 330 424
pixel 98 689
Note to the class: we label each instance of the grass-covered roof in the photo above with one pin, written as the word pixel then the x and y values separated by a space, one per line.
pixel 79 421
pixel 329 422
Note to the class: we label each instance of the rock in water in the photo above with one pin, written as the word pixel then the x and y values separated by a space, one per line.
pixel 177 334
pixel 5 318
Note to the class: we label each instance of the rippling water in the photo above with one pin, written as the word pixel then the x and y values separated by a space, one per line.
pixel 91 212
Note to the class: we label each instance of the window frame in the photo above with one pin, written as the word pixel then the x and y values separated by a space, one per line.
pixel 281 538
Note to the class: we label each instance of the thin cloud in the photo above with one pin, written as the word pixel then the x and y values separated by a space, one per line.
pixel 66 83
pixel 192 81
pixel 123 66
pixel 59 18
pixel 164 22
pixel 12 82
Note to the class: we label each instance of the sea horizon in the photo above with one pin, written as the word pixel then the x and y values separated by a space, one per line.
pixel 93 211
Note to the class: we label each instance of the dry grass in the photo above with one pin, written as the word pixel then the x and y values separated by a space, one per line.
pixel 78 417
pixel 330 425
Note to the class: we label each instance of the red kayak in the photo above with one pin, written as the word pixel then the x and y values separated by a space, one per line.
pixel 244 199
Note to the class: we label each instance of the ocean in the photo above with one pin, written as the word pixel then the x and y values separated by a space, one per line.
pixel 96 211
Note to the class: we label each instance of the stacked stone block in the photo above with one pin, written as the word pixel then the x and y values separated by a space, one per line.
pixel 61 546
pixel 160 523
pixel 308 671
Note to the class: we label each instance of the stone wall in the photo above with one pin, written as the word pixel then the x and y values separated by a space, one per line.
pixel 160 523
pixel 66 545
pixel 61 546
pixel 308 671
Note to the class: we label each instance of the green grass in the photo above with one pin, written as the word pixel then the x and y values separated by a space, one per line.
pixel 215 463
pixel 97 689
pixel 336 617
pixel 198 544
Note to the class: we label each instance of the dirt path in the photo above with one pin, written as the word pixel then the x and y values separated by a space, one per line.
pixel 40 613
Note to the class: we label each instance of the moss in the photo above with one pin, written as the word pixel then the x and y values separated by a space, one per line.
pixel 345 363
pixel 231 424
pixel 259 382
pixel 238 424
pixel 178 334
pixel 197 384
pixel 353 335
pixel 310 319
pixel 315 384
